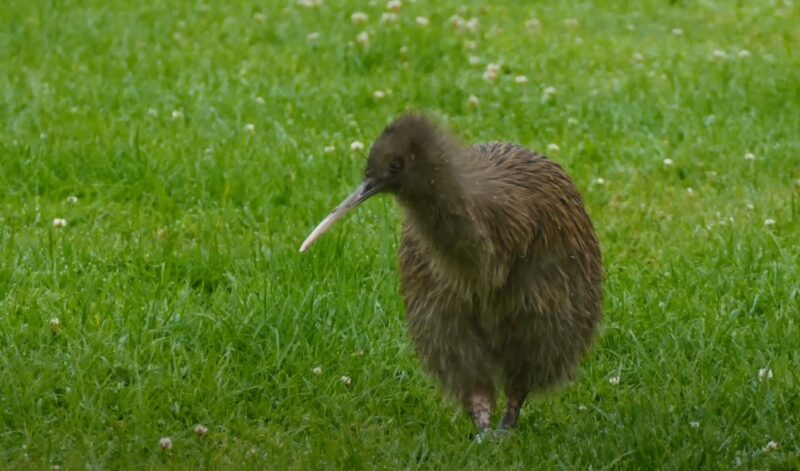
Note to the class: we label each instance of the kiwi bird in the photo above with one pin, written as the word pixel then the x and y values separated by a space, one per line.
pixel 500 267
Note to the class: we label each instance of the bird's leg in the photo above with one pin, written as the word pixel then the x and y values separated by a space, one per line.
pixel 516 397
pixel 480 409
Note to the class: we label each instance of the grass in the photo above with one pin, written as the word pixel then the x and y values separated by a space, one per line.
pixel 181 298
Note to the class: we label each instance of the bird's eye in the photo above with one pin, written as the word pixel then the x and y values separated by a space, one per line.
pixel 395 165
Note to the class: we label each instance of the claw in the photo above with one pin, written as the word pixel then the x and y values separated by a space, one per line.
pixel 482 436
pixel 489 436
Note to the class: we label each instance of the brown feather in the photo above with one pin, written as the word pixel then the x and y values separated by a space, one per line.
pixel 500 268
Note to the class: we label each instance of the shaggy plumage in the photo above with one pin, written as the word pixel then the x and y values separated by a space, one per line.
pixel 499 263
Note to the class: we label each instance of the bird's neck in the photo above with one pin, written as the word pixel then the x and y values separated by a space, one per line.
pixel 441 212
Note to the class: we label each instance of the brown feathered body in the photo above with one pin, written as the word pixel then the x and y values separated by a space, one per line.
pixel 500 268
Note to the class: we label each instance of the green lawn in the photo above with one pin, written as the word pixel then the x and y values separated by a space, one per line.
pixel 193 135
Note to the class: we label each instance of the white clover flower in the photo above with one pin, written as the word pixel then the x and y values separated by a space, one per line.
pixel 718 54
pixel 694 424
pixel 549 91
pixel 473 101
pixel 599 181
pixel 769 222
pixel 200 430
pixel 165 443
pixel 422 21
pixel 553 148
pixel 152 112
pixel 689 190
pixel 677 32
pixel 72 199
pixel 474 60
pixel 346 380
pixel 668 162
pixel 770 446
pixel 457 21
pixel 359 17
pixel 749 156
pixel 533 24
pixel 317 370
pixel 59 222
pixel 55 325
pixel 744 54
pixel 363 38
pixel 313 37
pixel 328 149
pixel 614 380
pixel 764 373
pixel 472 24
pixel 177 114
pixel 491 73
pixel 378 94
pixel 389 17
pixel 249 127
pixel 260 100
pixel 581 407
pixel 356 146
pixel 394 5
pixel 521 79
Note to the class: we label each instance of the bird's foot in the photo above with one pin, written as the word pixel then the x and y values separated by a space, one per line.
pixel 516 397
pixel 508 422
pixel 489 435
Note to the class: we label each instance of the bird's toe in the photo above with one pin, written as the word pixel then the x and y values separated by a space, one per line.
pixel 489 435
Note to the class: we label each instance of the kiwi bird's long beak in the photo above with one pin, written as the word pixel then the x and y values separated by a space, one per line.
pixel 363 192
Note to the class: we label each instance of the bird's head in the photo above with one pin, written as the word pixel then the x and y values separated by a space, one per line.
pixel 405 161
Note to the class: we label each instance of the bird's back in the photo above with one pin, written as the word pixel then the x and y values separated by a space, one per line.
pixel 499 151
pixel 529 203
pixel 517 207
